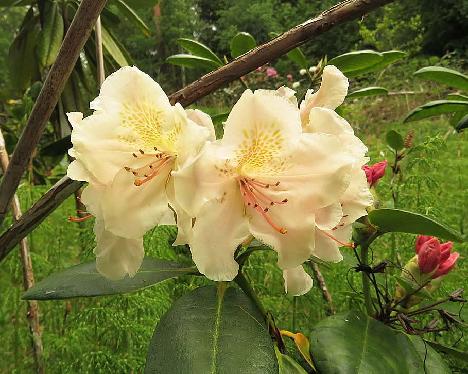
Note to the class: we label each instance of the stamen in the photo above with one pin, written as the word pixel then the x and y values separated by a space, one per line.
pixel 263 197
pixel 79 219
pixel 147 177
pixel 349 245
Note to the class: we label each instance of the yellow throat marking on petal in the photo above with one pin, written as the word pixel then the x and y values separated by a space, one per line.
pixel 148 124
pixel 260 148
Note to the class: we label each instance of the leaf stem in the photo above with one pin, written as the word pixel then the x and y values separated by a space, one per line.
pixel 244 284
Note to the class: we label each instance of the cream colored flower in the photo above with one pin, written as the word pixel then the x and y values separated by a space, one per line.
pixel 265 178
pixel 127 150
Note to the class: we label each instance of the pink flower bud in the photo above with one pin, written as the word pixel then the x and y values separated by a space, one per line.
pixel 290 77
pixel 447 265
pixel 421 239
pixel 429 256
pixel 375 172
pixel 445 249
pixel 271 72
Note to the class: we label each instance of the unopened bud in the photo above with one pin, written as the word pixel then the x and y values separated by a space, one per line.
pixel 429 256
pixel 303 72
pixel 375 172
pixel 296 84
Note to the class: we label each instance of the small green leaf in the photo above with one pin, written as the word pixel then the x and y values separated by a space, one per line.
pixel 51 35
pixel 296 55
pixel 357 60
pixel 440 74
pixel 191 61
pixel 200 50
pixel 436 108
pixel 132 16
pixel 355 343
pixel 287 365
pixel 241 43
pixel 395 220
pixel 84 281
pixel 395 140
pixel 368 91
pixel 389 57
pixel 112 48
pixel 213 329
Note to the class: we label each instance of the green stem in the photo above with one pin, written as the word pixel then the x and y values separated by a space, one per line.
pixel 365 279
pixel 244 284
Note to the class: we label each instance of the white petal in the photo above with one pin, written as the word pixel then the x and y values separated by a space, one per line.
pixel 331 94
pixel 130 211
pixel 328 217
pixel 219 228
pixel 296 281
pixel 202 119
pixel 78 172
pixel 327 243
pixel 264 119
pixel 117 257
pixel 357 198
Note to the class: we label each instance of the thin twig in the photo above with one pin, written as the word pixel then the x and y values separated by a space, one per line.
pixel 76 36
pixel 338 14
pixel 323 287
pixel 28 275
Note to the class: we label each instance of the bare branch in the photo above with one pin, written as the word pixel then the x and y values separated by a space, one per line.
pixel 340 13
pixel 76 36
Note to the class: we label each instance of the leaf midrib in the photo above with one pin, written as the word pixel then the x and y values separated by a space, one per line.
pixel 364 345
pixel 217 323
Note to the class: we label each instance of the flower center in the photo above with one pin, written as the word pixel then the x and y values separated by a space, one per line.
pixel 156 162
pixel 254 195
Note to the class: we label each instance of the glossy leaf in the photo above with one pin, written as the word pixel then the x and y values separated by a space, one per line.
pixel 131 16
pixel 389 57
pixel 51 35
pixel 462 123
pixel 191 61
pixel 199 49
pixel 395 140
pixel 457 96
pixel 355 343
pixel 433 362
pixel 84 281
pixel 241 43
pixel 112 48
pixel 395 220
pixel 436 108
pixel 368 91
pixel 443 75
pixel 213 329
pixel 357 60
pixel 287 365
pixel 452 352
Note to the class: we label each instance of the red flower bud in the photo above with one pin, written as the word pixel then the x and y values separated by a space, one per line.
pixel 447 265
pixel 421 239
pixel 375 172
pixel 445 249
pixel 429 256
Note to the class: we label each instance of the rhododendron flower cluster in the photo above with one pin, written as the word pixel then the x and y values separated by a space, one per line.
pixel 288 174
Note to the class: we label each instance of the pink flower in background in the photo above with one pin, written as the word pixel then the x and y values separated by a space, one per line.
pixel 290 77
pixel 375 172
pixel 433 255
pixel 271 72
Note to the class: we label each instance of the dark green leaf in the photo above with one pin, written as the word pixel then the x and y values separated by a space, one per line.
pixel 436 108
pixel 200 50
pixel 84 281
pixel 389 57
pixel 242 43
pixel 297 56
pixel 452 352
pixel 457 96
pixel 131 16
pixel 395 140
pixel 57 148
pixel 112 48
pixel 212 330
pixel 354 343
pixel 51 35
pixel 287 365
pixel 191 61
pixel 10 3
pixel 433 362
pixel 22 59
pixel 368 91
pixel 357 60
pixel 440 74
pixel 395 220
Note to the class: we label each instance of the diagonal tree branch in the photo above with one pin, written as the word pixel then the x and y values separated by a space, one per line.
pixel 76 36
pixel 340 13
